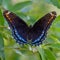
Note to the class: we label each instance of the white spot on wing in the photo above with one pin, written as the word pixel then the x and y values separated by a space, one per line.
pixel 8 13
pixel 9 28
pixel 19 36
pixel 39 37
pixel 51 13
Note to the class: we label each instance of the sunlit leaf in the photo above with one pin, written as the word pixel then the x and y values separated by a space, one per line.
pixel 0 2
pixel 20 5
pixel 1 18
pixel 56 46
pixel 2 47
pixel 56 3
pixel 41 52
pixel 49 55
pixel 7 4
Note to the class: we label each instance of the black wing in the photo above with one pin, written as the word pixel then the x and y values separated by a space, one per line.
pixel 18 26
pixel 39 30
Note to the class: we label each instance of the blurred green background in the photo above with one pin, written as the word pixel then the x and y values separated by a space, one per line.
pixel 30 11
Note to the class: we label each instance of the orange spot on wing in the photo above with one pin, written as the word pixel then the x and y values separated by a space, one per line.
pixel 7 15
pixel 52 16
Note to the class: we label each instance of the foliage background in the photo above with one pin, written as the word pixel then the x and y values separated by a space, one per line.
pixel 30 11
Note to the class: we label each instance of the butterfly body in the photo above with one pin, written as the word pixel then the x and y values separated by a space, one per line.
pixel 33 35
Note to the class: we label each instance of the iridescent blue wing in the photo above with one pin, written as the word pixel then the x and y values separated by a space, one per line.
pixel 39 30
pixel 18 26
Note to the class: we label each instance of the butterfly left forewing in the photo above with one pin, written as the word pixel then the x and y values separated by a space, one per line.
pixel 39 30
pixel 18 26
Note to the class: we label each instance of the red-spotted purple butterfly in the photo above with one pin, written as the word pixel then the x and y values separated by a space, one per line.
pixel 33 35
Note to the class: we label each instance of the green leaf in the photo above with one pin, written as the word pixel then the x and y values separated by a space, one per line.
pixel 41 52
pixel 0 2
pixel 1 18
pixel 47 1
pixel 1 47
pixel 56 3
pixel 57 19
pixel 1 38
pixel 56 46
pixel 7 4
pixel 49 54
pixel 21 15
pixel 20 5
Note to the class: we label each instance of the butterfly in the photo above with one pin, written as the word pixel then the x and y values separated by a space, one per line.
pixel 24 34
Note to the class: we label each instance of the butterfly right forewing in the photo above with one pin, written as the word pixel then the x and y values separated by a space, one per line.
pixel 39 30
